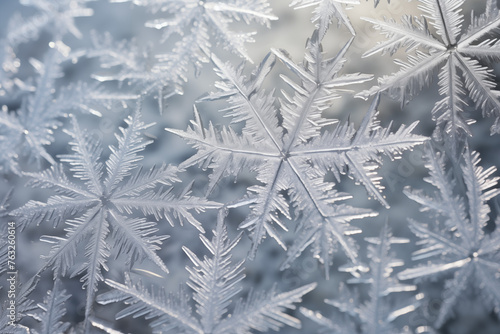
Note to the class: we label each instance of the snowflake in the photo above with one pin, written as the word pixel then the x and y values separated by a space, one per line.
pixel 455 53
pixel 456 240
pixel 296 155
pixel 99 211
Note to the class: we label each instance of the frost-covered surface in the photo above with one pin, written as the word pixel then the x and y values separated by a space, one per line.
pixel 244 166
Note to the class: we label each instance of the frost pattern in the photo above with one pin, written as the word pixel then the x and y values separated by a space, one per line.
pixel 97 212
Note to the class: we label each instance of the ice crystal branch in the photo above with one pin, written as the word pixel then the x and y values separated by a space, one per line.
pixel 326 11
pixel 215 281
pixel 50 312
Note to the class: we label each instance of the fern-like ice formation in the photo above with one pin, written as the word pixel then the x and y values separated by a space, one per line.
pixel 455 240
pixel 99 212
pixel 295 156
pixel 215 281
pixel 378 314
pixel 457 53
